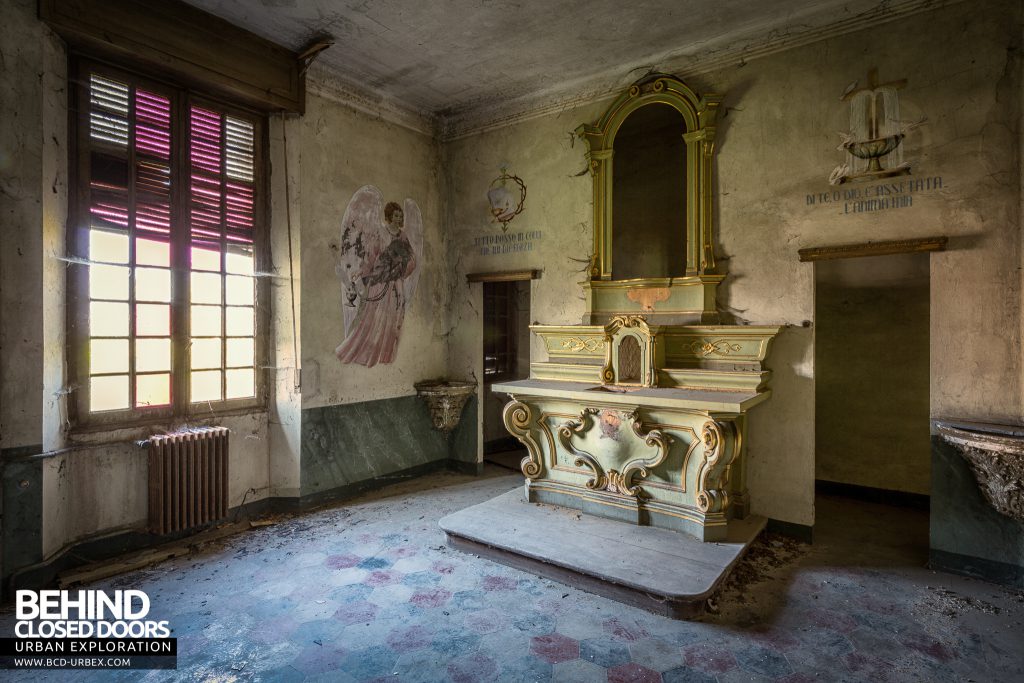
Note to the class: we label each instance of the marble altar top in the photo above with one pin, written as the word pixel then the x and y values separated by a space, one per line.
pixel 650 397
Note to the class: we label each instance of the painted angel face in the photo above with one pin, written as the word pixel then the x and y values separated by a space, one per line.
pixel 397 219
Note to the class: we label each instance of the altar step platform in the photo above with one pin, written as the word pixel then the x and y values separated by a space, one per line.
pixel 662 571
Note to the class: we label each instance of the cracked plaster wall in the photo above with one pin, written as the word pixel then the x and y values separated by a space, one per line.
pixel 777 144
pixel 98 487
pixel 342 150
pixel 90 484
pixel 777 140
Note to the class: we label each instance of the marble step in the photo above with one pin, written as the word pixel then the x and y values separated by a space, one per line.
pixel 656 569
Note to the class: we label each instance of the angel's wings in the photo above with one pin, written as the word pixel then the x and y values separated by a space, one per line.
pixel 414 233
pixel 361 229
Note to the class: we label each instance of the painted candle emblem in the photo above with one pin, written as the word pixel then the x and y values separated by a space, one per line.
pixel 381 249
pixel 874 143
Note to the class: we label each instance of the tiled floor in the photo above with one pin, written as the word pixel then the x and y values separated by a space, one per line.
pixel 369 592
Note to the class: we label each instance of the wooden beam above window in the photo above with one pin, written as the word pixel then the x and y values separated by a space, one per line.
pixel 197 48
pixel 504 276
pixel 881 248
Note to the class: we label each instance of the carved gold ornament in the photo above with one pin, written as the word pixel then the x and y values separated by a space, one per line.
pixel 639 467
pixel 578 426
pixel 699 113
pixel 517 417
pixel 575 344
pixel 712 474
pixel 718 347
pixel 613 481
pixel 619 321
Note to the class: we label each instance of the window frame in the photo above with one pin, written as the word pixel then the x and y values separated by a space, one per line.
pixel 182 97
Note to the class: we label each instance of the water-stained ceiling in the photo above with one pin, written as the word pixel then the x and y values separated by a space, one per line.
pixel 450 57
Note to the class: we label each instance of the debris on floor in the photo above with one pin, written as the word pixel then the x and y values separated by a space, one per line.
pixel 766 555
pixel 367 591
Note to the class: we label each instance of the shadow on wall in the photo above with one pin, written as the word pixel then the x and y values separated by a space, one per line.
pixel 780 432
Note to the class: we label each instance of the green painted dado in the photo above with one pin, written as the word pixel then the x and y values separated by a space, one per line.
pixel 967 535
pixel 353 443
pixel 22 513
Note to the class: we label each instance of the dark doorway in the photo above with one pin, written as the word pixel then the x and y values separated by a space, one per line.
pixel 871 358
pixel 506 351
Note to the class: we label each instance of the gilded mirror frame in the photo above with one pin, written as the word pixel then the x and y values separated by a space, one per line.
pixel 699 114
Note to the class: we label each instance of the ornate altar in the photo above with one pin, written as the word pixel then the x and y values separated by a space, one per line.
pixel 639 413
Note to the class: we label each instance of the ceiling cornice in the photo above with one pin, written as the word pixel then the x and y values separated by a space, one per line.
pixel 694 60
pixel 325 83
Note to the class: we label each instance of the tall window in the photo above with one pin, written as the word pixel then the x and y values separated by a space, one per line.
pixel 165 226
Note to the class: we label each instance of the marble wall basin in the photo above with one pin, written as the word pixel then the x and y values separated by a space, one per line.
pixel 446 399
pixel 995 454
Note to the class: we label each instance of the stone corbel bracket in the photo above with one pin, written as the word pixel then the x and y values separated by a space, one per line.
pixel 517 417
pixel 620 483
pixel 721 441
pixel 997 461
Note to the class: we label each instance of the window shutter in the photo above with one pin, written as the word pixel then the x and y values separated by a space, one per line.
pixel 164 312
pixel 221 154
pixel 129 233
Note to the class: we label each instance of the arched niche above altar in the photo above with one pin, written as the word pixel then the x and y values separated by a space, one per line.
pixel 648 202
pixel 650 159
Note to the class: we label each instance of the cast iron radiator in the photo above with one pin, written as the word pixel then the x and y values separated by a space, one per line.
pixel 188 479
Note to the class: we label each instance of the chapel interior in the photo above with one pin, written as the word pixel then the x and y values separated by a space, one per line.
pixel 520 341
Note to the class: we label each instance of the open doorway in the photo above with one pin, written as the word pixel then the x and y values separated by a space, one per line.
pixel 872 392
pixel 506 351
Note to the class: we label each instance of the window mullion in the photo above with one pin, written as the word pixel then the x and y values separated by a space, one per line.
pixel 181 265
pixel 132 161
pixel 223 255
pixel 79 274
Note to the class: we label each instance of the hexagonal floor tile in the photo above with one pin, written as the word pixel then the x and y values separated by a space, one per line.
pixel 633 673
pixel 708 658
pixel 554 648
pixel 604 652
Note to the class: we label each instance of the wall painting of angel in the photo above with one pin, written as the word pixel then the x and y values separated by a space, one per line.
pixel 381 253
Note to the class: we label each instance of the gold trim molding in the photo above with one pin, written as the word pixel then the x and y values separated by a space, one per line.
pixel 699 114
pixel 575 344
pixel 517 417
pixel 713 474
pixel 718 347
